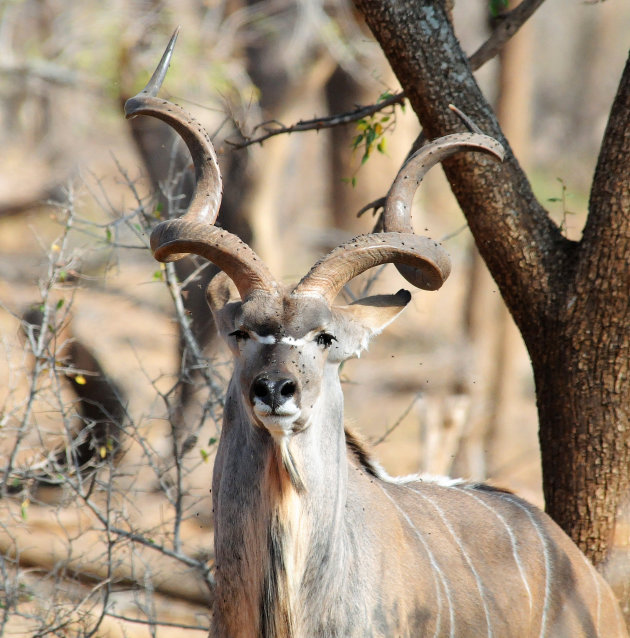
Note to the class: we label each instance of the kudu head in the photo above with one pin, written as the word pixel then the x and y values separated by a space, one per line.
pixel 284 339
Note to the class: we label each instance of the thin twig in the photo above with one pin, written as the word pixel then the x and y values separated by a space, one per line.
pixel 398 421
pixel 191 343
pixel 161 623
pixel 39 345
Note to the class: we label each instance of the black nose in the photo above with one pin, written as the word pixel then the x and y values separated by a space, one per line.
pixel 273 389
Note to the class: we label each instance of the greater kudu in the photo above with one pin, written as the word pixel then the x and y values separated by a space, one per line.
pixel 312 537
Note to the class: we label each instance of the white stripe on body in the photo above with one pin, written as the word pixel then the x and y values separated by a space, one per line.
pixel 437 569
pixel 513 541
pixel 548 570
pixel 480 586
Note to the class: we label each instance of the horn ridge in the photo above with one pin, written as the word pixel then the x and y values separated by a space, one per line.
pixel 175 238
pixel 331 273
pixel 397 212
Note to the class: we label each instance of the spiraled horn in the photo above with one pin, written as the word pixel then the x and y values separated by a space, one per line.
pixel 195 231
pixel 422 261
pixel 333 272
pixel 397 214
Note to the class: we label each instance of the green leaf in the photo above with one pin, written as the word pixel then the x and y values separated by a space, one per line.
pixel 357 140
pixel 496 6
pixel 60 304
pixel 108 234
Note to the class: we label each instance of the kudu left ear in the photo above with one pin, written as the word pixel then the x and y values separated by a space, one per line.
pixel 221 291
pixel 222 296
pixel 365 318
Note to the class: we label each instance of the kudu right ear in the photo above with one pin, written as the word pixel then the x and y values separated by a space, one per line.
pixel 364 319
pixel 377 312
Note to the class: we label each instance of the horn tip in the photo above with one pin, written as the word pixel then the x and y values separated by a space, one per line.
pixel 155 83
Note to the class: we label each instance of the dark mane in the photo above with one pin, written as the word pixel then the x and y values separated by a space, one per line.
pixel 485 487
pixel 359 450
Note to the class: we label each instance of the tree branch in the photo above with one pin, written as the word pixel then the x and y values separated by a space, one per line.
pixel 610 196
pixel 319 123
pixel 506 26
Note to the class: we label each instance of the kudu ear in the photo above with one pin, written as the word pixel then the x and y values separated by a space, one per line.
pixel 223 297
pixel 221 291
pixel 363 319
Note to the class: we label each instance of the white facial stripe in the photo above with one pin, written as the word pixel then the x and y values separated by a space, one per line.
pixel 290 341
pixel 267 339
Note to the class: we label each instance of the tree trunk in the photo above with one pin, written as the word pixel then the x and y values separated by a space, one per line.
pixel 569 299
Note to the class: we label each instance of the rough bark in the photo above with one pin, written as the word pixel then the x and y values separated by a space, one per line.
pixel 569 299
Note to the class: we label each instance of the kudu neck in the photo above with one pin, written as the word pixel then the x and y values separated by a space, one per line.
pixel 271 541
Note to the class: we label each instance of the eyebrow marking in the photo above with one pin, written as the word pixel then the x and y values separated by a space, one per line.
pixel 293 342
pixel 266 339
pixel 288 340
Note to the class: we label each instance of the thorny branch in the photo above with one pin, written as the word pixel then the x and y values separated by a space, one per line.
pixel 101 494
pixel 39 341
pixel 505 26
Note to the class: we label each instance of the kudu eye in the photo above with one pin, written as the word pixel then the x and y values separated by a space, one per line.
pixel 239 335
pixel 324 339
